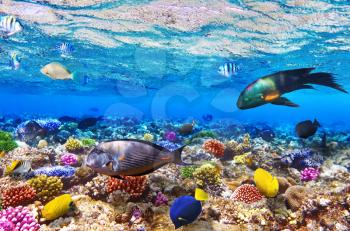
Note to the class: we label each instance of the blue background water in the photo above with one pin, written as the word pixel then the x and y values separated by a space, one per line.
pixel 157 83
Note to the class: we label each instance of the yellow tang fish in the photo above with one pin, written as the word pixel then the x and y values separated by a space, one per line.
pixel 266 183
pixel 200 195
pixel 56 71
pixel 57 207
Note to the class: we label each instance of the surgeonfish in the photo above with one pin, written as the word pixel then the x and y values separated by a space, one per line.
pixel 187 129
pixel 57 207
pixel 185 210
pixel 307 128
pixel 269 89
pixel 18 167
pixel 57 71
pixel 266 183
pixel 9 25
pixel 228 69
pixel 130 158
pixel 200 195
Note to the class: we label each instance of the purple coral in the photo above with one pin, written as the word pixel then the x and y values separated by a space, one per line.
pixel 168 145
pixel 170 136
pixel 20 218
pixel 69 159
pixel 301 159
pixel 309 174
pixel 160 199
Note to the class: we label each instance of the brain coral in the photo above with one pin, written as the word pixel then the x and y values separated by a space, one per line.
pixel 296 195
pixel 46 187
pixel 214 147
pixel 16 196
pixel 247 193
pixel 133 185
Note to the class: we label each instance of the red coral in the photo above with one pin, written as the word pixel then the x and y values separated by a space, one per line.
pixel 16 196
pixel 133 185
pixel 247 193
pixel 214 147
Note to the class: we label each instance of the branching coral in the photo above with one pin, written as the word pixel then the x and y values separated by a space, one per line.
pixel 73 145
pixel 7 142
pixel 301 159
pixel 88 142
pixel 46 187
pixel 207 175
pixel 69 159
pixel 21 218
pixel 97 187
pixel 309 174
pixel 16 196
pixel 247 193
pixel 214 147
pixel 133 185
pixel 187 171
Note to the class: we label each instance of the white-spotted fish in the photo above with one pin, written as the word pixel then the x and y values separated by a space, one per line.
pixel 228 69
pixel 66 49
pixel 130 158
pixel 9 25
pixel 14 61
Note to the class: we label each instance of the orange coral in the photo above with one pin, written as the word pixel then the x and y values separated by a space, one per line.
pixel 133 185
pixel 214 147
pixel 16 196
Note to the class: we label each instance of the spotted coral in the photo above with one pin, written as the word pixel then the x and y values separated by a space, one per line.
pixel 133 185
pixel 21 218
pixel 214 147
pixel 15 196
pixel 46 187
pixel 207 174
pixel 247 193
pixel 60 171
pixel 73 145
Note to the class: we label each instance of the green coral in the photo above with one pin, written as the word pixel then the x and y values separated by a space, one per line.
pixel 187 171
pixel 207 175
pixel 88 142
pixel 46 187
pixel 73 145
pixel 7 142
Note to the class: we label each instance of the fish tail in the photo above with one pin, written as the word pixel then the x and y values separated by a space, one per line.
pixel 177 156
pixel 325 79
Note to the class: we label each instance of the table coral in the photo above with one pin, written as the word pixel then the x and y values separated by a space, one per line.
pixel 247 193
pixel 214 147
pixel 133 185
pixel 21 218
pixel 207 175
pixel 16 196
pixel 46 187
pixel 73 145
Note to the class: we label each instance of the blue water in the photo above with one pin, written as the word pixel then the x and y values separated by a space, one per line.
pixel 164 71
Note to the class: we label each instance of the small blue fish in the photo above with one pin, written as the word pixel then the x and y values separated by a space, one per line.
pixel 9 25
pixel 185 210
pixel 228 69
pixel 14 61
pixel 66 49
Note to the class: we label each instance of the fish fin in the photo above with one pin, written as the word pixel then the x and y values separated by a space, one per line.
pixel 316 123
pixel 284 101
pixel 304 86
pixel 200 195
pixel 325 79
pixel 73 76
pixel 177 156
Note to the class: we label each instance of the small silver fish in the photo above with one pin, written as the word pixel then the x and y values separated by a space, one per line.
pixel 130 158
pixel 56 71
pixel 9 25
pixel 228 69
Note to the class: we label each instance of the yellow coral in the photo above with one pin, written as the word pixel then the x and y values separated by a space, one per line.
pixel 73 145
pixel 46 187
pixel 242 159
pixel 207 174
pixel 266 183
pixel 148 137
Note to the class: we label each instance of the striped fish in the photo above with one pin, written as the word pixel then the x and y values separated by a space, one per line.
pixel 130 158
pixel 9 25
pixel 228 69
pixel 65 49
pixel 14 61
pixel 18 167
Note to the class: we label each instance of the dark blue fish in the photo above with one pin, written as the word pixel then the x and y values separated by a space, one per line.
pixel 207 117
pixel 185 210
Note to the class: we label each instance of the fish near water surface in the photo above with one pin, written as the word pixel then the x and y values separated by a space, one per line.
pixel 307 128
pixel 9 26
pixel 130 158
pixel 57 71
pixel 269 89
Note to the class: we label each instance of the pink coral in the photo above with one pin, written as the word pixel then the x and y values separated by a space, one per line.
pixel 171 136
pixel 69 159
pixel 21 218
pixel 6 225
pixel 247 193
pixel 309 174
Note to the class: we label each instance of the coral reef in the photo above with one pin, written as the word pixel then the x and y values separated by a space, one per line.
pixel 214 147
pixel 60 171
pixel 42 144
pixel 69 159
pixel 73 145
pixel 309 174
pixel 49 125
pixel 187 171
pixel 88 142
pixel 15 196
pixel 247 193
pixel 171 136
pixel 296 195
pixel 97 187
pixel 21 218
pixel 301 159
pixel 46 187
pixel 148 137
pixel 7 142
pixel 207 175
pixel 160 199
pixel 134 186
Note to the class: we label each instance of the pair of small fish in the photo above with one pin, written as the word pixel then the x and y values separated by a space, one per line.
pixel 9 26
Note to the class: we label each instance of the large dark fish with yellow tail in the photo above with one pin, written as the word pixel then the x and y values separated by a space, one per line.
pixel 269 89
pixel 130 158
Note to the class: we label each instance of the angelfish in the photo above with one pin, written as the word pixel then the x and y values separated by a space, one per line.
pixel 130 158
pixel 269 89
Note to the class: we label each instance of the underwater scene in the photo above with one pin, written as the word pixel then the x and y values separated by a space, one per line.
pixel 159 115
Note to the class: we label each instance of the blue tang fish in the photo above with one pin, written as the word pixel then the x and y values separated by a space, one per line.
pixel 185 210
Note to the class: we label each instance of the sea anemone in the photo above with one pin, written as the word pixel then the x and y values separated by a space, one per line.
pixel 214 147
